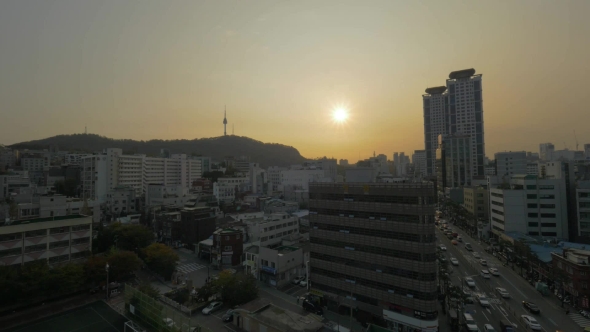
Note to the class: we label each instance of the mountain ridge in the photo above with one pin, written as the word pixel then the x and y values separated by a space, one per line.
pixel 267 154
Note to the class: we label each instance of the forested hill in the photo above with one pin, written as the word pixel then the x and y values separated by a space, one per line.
pixel 267 154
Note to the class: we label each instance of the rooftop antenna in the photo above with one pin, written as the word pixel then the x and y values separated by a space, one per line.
pixel 576 137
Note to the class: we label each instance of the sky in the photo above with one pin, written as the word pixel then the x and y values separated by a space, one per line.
pixel 166 69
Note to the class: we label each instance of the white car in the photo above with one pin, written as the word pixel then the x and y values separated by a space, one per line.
pixel 169 322
pixel 503 292
pixel 213 306
pixel 483 262
pixel 488 328
pixel 483 301
pixel 297 280
pixel 442 247
pixel 530 323
pixel 485 274
pixel 459 238
pixel 454 261
pixel 303 283
pixel 476 255
pixel 494 271
pixel 469 281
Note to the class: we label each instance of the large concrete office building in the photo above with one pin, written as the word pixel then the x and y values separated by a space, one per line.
pixel 373 248
pixel 456 108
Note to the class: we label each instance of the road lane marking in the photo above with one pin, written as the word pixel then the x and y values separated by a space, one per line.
pixel 552 322
pixel 517 289
pixel 484 314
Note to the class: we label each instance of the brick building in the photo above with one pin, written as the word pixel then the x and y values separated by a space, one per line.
pixel 227 247
pixel 197 224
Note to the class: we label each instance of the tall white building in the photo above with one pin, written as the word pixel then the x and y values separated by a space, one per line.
pixel 455 109
pixel 400 162
pixel 419 161
pixel 225 188
pixel 533 206
pixel 511 163
pixel 583 208
pixel 274 176
pixel 111 169
pixel 300 178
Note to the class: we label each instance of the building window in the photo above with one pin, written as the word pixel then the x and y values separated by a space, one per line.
pixel 39 232
pixel 547 206
pixel 533 224
pixel 227 248
pixel 533 215
pixel 531 205
pixel 531 196
pixel 531 187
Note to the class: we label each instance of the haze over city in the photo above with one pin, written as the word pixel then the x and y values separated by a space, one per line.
pixel 166 70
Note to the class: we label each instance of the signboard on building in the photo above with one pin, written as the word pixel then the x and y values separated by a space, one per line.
pixel 268 269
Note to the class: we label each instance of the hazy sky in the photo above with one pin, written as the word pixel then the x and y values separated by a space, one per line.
pixel 165 69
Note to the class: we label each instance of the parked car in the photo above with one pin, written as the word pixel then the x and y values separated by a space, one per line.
pixel 303 283
pixel 297 280
pixel 212 307
pixel 531 307
pixel 228 316
pixel 503 292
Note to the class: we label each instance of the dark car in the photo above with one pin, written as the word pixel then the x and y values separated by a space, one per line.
pixel 228 316
pixel 531 307
pixel 316 309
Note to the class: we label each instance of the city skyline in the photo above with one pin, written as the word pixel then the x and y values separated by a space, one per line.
pixel 165 71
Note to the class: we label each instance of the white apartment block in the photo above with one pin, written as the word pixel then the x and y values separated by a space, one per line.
pixel 546 151
pixel 490 170
pixel 511 163
pixel 74 158
pixel 35 163
pixel 274 176
pixel 111 169
pixel 120 200
pixel 225 188
pixel 271 229
pixel 532 168
pixel 54 240
pixel 533 206
pixel 300 178
pixel 583 207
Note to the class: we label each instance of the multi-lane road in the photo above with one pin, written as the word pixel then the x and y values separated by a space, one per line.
pixel 552 316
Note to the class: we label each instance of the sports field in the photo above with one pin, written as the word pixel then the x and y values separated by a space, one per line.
pixel 94 317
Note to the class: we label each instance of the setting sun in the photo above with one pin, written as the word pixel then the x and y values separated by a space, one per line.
pixel 340 115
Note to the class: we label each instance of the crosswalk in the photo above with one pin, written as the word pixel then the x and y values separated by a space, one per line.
pixel 580 320
pixel 188 268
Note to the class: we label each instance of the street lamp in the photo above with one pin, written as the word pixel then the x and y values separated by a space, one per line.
pixel 107 269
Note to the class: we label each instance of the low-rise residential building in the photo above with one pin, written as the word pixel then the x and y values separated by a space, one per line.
pixel 225 189
pixel 274 205
pixel 34 162
pixel 576 264
pixel 227 247
pixel 197 224
pixel 120 201
pixel 56 239
pixel 270 229
pixel 280 265
pixel 260 315
pixel 511 163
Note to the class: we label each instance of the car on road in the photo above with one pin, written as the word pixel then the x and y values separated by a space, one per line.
pixel 531 307
pixel 228 316
pixel 212 307
pixel 494 271
pixel 313 308
pixel 530 323
pixel 485 274
pixel 442 247
pixel 297 280
pixel 468 247
pixel 459 238
pixel 454 261
pixel 455 242
pixel 503 292
pixel 488 328
pixel 483 262
pixel 470 282
pixel 483 300
pixel 476 255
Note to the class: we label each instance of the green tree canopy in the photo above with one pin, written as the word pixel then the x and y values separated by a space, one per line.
pixel 121 264
pixel 125 237
pixel 161 259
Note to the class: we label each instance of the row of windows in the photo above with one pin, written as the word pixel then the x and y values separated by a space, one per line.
pixel 498 220
pixel 82 240
pixel 36 247
pixel 534 196
pixel 57 259
pixel 81 254
pixel 376 250
pixel 376 267
pixel 497 203
pixel 498 212
pixel 541 187
pixel 366 198
pixel 497 195
pixel 544 233
pixel 370 215
pixel 11 252
pixel 543 215
pixel 80 228
pixel 374 232
pixel 59 244
pixel 426 296
pixel 543 224
pixel 11 237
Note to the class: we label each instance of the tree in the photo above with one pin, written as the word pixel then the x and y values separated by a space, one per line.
pixel 125 237
pixel 94 269
pixel 161 259
pixel 149 290
pixel 122 264
pixel 205 292
pixel 242 288
pixel 85 210
pixel 9 285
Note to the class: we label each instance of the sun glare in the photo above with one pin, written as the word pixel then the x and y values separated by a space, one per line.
pixel 340 115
